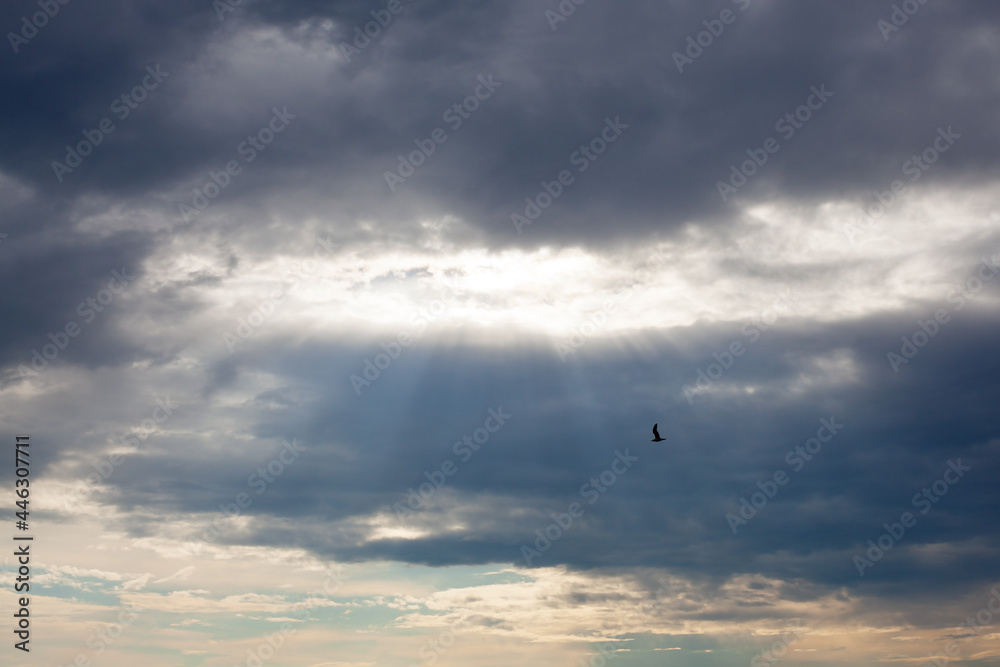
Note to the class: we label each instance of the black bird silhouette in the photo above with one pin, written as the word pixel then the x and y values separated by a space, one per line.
pixel 656 435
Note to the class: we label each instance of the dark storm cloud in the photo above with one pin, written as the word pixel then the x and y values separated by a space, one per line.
pixel 669 510
pixel 63 281
pixel 353 119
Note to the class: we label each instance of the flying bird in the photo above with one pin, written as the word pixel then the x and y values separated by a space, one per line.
pixel 656 435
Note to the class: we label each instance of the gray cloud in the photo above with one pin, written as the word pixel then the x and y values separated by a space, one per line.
pixel 324 174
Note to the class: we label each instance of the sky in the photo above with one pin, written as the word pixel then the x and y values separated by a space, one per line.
pixel 339 330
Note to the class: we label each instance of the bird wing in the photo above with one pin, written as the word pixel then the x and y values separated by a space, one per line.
pixel 656 434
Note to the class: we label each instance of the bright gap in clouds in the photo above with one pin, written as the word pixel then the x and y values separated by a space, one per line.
pixel 794 261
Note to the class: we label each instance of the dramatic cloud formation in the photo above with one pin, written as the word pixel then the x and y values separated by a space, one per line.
pixel 339 330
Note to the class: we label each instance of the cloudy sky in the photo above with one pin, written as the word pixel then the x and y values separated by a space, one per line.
pixel 339 330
